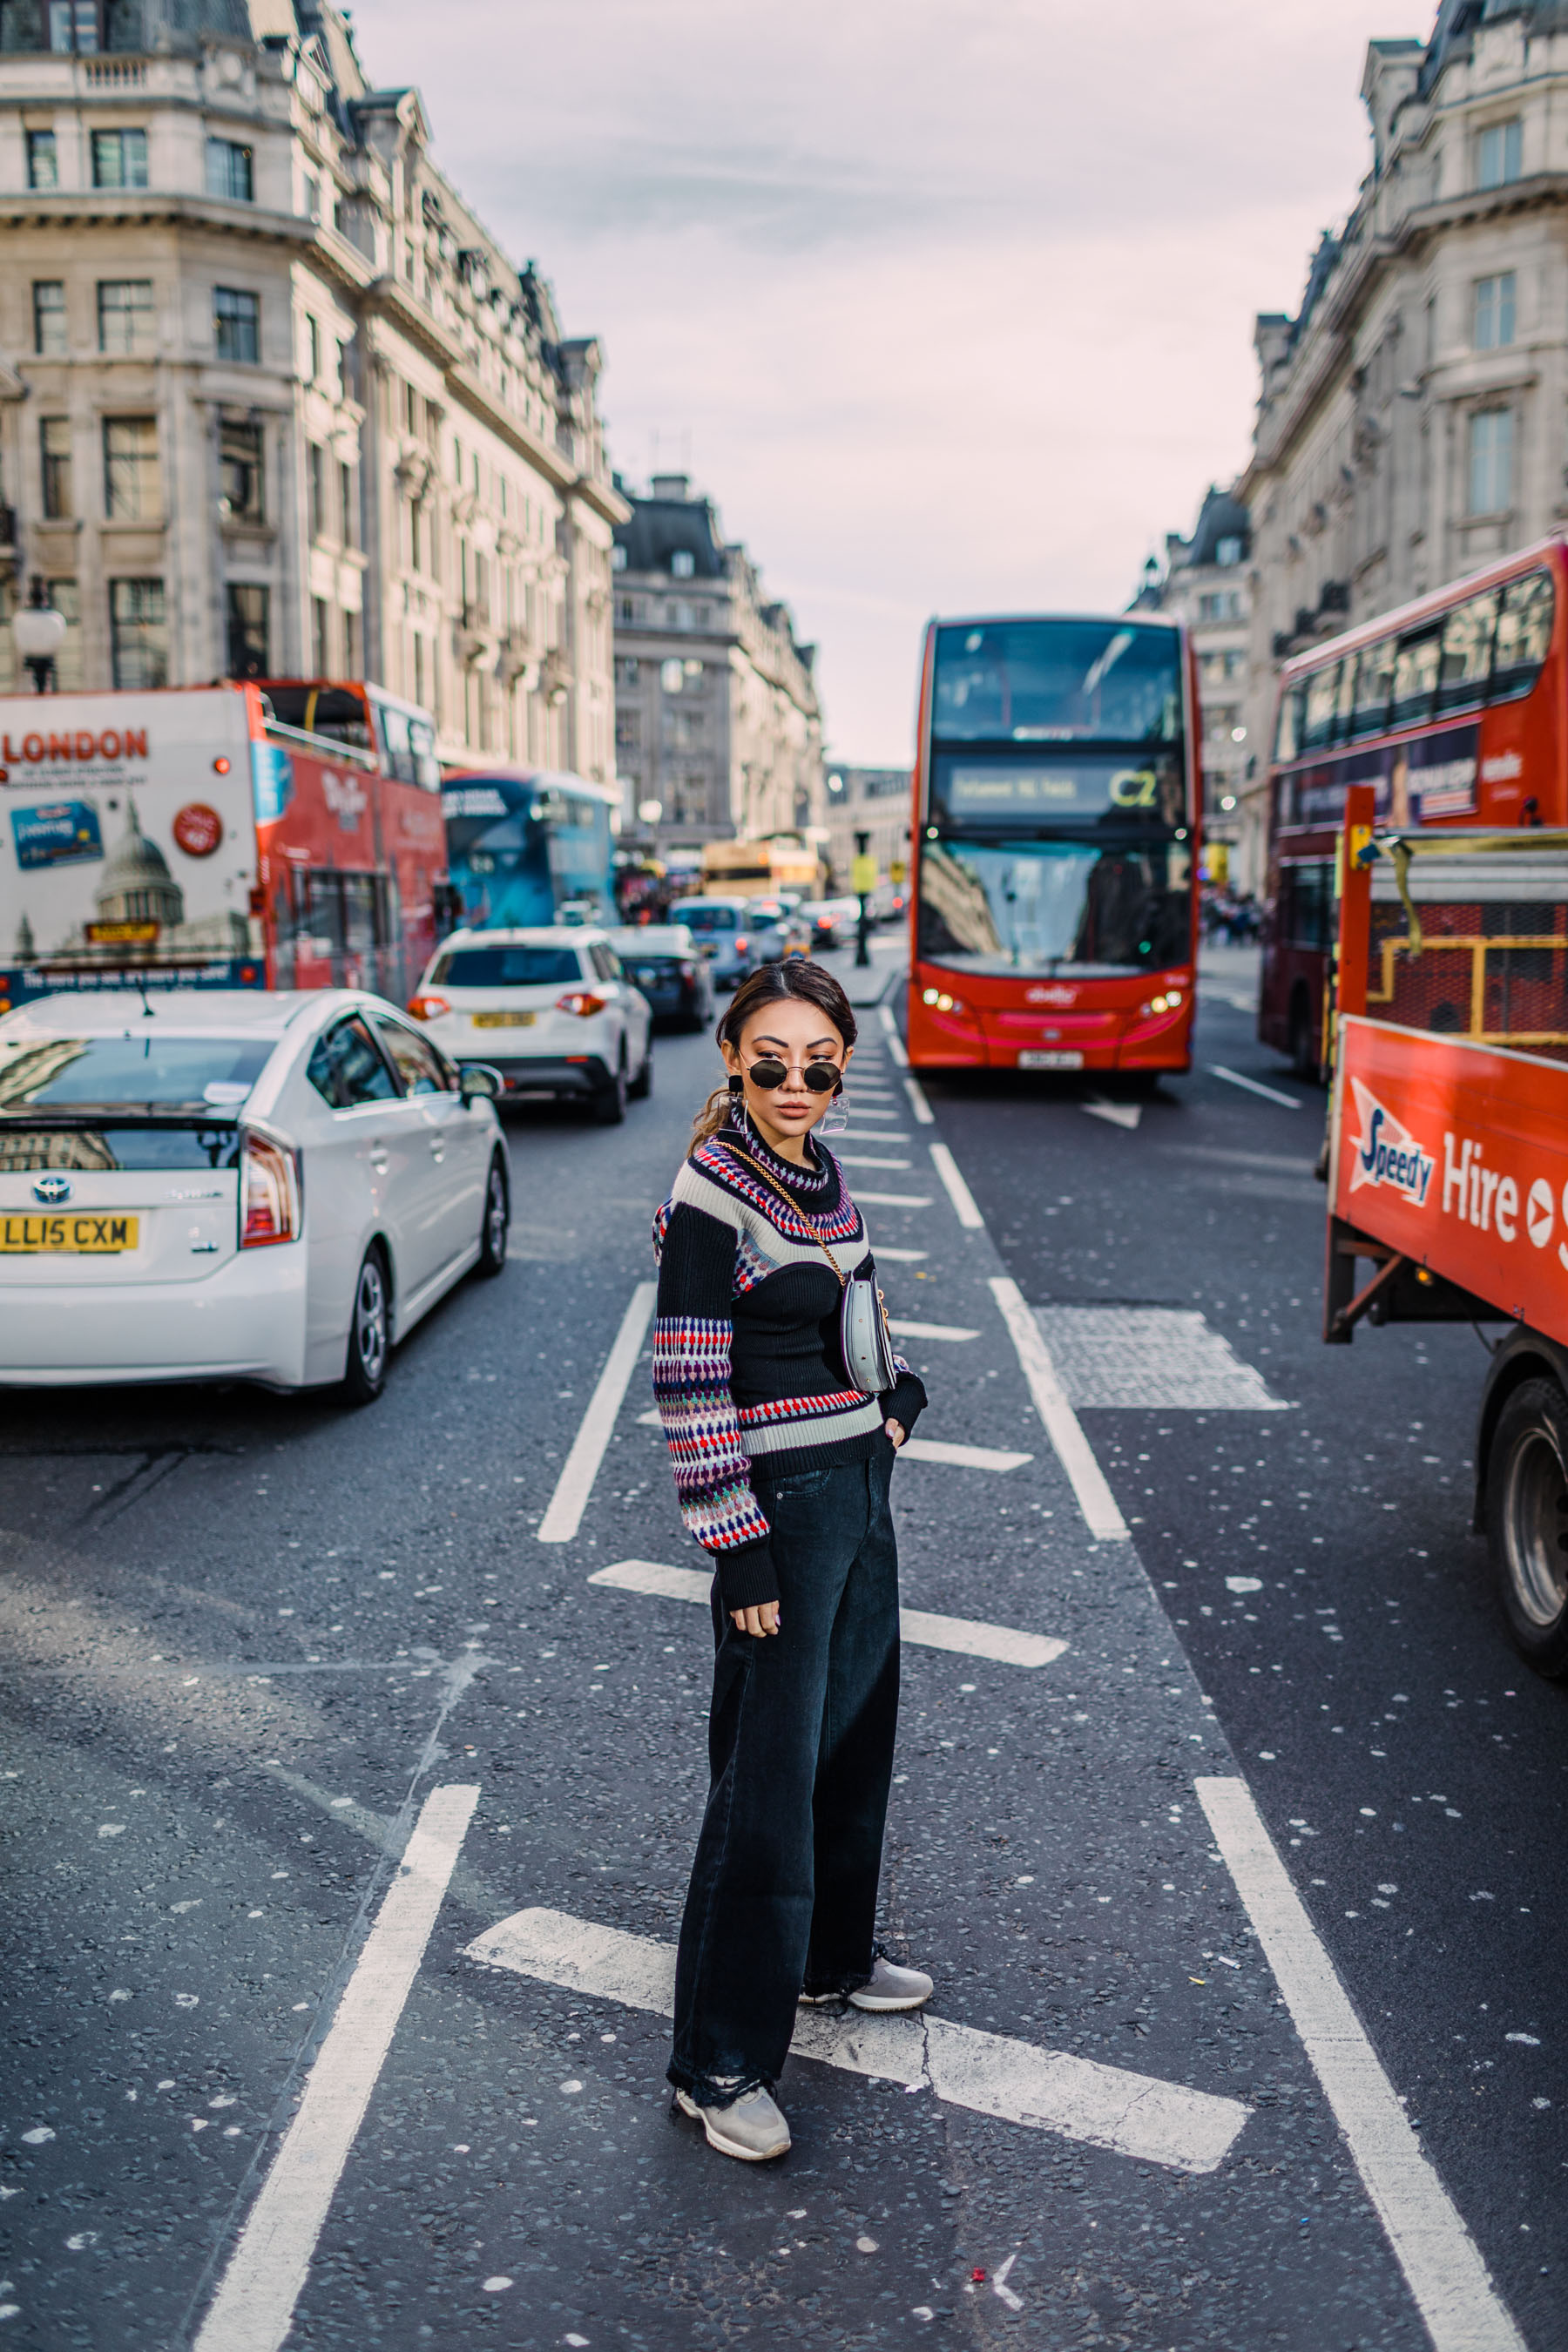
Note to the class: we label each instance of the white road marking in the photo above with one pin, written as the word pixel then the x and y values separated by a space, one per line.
pixel 895 1043
pixel 958 1192
pixel 1254 1086
pixel 652 1419
pixel 930 1330
pixel 1117 1114
pixel 253 2309
pixel 960 1457
pixel 899 1257
pixel 894 1199
pixel 859 1160
pixel 1135 2115
pixel 1442 2268
pixel 1074 1452
pixel 918 1103
pixel 581 1467
pixel 1008 1646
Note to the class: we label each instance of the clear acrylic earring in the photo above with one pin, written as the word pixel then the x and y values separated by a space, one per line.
pixel 836 1120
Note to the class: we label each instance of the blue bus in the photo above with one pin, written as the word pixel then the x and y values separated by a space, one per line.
pixel 527 847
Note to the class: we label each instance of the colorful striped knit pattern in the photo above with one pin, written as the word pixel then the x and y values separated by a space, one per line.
pixel 746 1371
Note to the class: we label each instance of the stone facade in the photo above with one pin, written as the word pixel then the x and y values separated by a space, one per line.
pixel 276 401
pixel 717 718
pixel 1207 586
pixel 1412 416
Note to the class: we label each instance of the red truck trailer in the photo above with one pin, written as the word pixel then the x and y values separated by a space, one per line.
pixel 1448 1153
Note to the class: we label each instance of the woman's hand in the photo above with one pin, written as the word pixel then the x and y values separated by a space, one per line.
pixel 896 1430
pixel 761 1620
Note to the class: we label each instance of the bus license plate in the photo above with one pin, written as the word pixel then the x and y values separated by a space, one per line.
pixel 503 1020
pixel 1063 1058
pixel 87 1234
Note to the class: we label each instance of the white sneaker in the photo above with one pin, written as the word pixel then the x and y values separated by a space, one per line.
pixel 890 1988
pixel 753 2128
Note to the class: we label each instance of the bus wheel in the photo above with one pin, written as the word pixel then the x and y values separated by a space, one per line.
pixel 1527 1521
pixel 1304 1044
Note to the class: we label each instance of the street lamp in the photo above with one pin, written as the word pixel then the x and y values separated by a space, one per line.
pixel 39 633
pixel 649 812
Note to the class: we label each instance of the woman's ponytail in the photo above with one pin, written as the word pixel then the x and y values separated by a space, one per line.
pixel 713 1114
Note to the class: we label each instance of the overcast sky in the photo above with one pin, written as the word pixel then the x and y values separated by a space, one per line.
pixel 949 305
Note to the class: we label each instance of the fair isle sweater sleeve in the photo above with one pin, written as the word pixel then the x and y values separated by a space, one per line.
pixel 691 1342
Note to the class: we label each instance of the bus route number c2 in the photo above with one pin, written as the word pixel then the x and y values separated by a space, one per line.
pixel 1133 788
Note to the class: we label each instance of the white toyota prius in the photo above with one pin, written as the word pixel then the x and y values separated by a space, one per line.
pixel 234 1185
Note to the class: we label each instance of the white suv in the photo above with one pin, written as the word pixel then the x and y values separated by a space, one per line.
pixel 551 1010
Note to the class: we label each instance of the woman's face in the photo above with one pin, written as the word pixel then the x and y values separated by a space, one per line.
pixel 795 1033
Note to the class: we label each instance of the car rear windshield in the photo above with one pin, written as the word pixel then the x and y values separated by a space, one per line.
pixel 508 967
pixel 130 1074
pixel 712 919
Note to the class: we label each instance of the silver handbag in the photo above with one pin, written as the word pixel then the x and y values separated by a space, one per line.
pixel 865 1341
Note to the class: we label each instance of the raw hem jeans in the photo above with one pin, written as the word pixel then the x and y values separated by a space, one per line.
pixel 784 1890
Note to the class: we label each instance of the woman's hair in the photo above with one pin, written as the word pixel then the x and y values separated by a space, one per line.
pixel 772 983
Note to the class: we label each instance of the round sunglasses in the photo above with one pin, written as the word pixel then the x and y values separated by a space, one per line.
pixel 818 1077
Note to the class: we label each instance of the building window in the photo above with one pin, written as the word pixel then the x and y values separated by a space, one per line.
pixel 55 442
pixel 321 638
pixel 49 318
pixel 316 489
pixel 630 672
pixel 125 317
pixel 120 158
pixel 131 487
pixel 313 349
pixel 619 557
pixel 346 506
pixel 231 172
pixel 73 25
pixel 237 324
pixel 352 658
pixel 240 469
pixel 683 563
pixel 1494 312
pixel 1221 604
pixel 43 163
pixel 247 617
pixel 629 731
pixel 1227 553
pixel 138 634
pixel 1499 157
pixel 1492 461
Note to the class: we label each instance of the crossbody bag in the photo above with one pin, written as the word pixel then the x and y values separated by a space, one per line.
pixel 865 1341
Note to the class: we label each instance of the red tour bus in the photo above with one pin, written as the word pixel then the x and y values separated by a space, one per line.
pixel 1454 711
pixel 1055 847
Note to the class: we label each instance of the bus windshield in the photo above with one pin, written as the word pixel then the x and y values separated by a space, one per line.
pixel 1012 905
pixel 1057 682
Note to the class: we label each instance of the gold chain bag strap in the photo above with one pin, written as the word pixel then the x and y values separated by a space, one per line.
pixel 865 1341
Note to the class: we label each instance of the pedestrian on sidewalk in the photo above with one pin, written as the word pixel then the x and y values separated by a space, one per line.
pixel 783 1420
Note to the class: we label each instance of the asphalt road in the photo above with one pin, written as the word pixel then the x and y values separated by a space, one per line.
pixel 246 1636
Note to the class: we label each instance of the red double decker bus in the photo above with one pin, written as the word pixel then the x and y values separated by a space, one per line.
pixel 1455 710
pixel 1054 846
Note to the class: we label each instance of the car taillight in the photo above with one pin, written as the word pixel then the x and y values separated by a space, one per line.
pixel 741 944
pixel 271 1205
pixel 582 1001
pixel 428 1008
pixel 689 971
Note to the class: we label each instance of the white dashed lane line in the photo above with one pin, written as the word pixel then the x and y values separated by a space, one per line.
pixel 929 1330
pixel 581 1467
pixel 1254 1086
pixel 1074 1452
pixel 957 1190
pixel 1005 1646
pixel 1131 2114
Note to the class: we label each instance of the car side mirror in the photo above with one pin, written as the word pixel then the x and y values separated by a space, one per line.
pixel 479 1082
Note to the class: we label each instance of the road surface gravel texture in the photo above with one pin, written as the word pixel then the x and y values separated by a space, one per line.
pixel 260 1653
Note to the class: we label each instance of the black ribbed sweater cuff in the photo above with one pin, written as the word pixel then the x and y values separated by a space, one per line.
pixel 746 1577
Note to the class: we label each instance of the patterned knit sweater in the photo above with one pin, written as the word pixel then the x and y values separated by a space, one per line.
pixel 746 1363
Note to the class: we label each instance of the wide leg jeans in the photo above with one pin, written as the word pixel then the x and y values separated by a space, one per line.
pixel 784 1890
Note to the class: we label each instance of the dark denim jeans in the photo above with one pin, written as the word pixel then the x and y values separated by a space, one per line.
pixel 799 1741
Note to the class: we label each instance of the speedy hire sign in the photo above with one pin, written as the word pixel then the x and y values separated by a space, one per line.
pixel 1456 1155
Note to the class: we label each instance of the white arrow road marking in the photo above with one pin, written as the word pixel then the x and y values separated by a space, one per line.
pixel 1045 2090
pixel 929 1330
pixel 253 2309
pixel 960 1457
pixel 1255 1086
pixel 1008 1646
pixel 1443 2267
pixel 1074 1452
pixel 1119 1113
pixel 581 1467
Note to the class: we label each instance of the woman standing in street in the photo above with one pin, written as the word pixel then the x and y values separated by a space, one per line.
pixel 783 1418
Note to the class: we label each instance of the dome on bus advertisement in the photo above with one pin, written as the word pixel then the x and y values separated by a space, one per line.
pixel 521 843
pixel 127 841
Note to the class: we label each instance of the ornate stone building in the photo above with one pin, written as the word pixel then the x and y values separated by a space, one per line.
pixel 717 719
pixel 1207 584
pixel 273 399
pixel 1412 416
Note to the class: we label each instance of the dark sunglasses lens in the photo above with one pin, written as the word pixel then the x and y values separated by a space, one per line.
pixel 767 1073
pixel 821 1077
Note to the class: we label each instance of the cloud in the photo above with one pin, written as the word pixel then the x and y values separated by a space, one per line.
pixel 952 305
